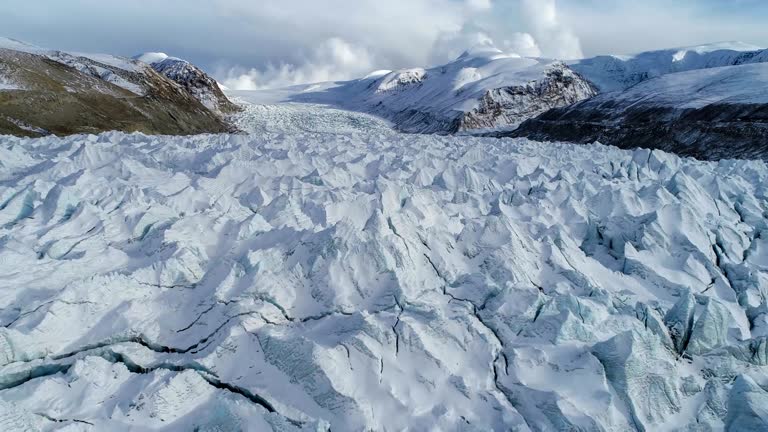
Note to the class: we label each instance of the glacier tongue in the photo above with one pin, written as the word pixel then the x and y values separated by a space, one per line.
pixel 324 272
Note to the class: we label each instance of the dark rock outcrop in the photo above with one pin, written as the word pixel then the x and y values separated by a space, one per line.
pixel 197 83
pixel 507 106
pixel 715 114
pixel 717 131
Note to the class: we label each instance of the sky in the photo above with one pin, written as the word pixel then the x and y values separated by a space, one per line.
pixel 251 44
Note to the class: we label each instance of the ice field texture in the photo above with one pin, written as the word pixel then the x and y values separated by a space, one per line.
pixel 323 272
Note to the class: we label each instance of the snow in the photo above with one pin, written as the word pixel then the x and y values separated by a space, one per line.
pixel 152 57
pixel 123 63
pixel 378 74
pixel 455 86
pixel 459 85
pixel 7 84
pixel 75 60
pixel 721 46
pixel 472 91
pixel 317 93
pixel 322 271
pixel 612 73
pixel 17 45
pixel 443 98
pixel 27 127
pixel 743 84
pixel 108 75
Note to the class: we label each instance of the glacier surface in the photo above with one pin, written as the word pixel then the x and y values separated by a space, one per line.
pixel 322 271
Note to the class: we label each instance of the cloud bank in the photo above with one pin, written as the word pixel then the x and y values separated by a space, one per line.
pixel 555 39
pixel 439 39
pixel 333 59
pixel 270 43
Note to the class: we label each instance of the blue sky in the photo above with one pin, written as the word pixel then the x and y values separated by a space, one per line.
pixel 287 41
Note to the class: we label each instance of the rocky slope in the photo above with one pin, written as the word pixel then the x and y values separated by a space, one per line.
pixel 484 88
pixel 54 92
pixel 708 114
pixel 196 82
pixel 326 273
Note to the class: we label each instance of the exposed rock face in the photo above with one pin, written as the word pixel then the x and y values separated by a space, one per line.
pixel 59 93
pixel 509 106
pixel 708 114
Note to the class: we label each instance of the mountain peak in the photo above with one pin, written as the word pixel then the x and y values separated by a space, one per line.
pixel 481 50
pixel 153 58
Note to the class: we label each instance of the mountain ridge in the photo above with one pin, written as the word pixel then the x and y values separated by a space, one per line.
pixel 488 92
pixel 56 92
pixel 482 88
pixel 197 83
pixel 709 113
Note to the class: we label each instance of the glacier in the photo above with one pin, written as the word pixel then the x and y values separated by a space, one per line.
pixel 321 271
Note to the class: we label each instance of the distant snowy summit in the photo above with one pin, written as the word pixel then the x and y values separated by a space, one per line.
pixel 483 89
pixel 56 92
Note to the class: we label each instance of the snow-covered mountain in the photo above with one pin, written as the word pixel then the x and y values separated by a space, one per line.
pixel 105 67
pixel 199 84
pixel 48 91
pixel 482 89
pixel 486 91
pixel 324 272
pixel 713 113
pixel 612 73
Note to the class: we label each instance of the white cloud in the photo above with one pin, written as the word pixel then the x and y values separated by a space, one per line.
pixel 523 44
pixel 333 59
pixel 281 41
pixel 542 33
pixel 451 45
pixel 429 32
pixel 479 5
pixel 398 32
pixel 555 39
pixel 256 44
pixel 624 26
